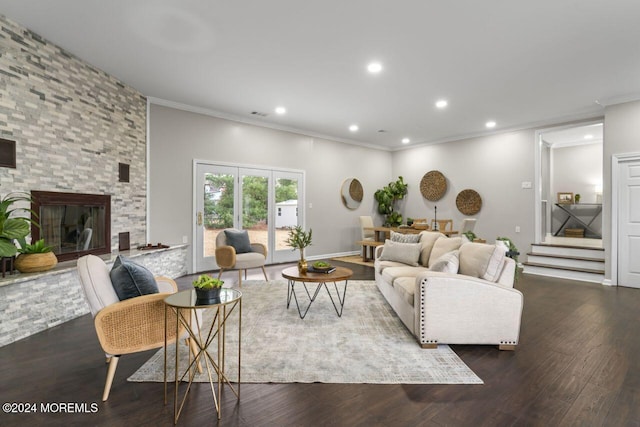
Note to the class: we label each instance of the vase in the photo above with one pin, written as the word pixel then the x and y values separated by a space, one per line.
pixel 302 266
pixel 33 263
pixel 208 296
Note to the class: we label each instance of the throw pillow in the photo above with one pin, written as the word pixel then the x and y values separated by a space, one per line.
pixel 427 239
pixel 447 263
pixel 239 239
pixel 442 246
pixel 482 260
pixel 406 253
pixel 404 238
pixel 131 280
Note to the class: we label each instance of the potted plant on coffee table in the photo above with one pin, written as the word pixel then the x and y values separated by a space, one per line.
pixel 300 239
pixel 207 289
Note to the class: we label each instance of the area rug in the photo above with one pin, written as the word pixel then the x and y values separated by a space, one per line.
pixel 368 344
pixel 354 259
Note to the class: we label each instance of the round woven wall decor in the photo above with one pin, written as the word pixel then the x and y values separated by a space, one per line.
pixel 355 190
pixel 433 185
pixel 469 202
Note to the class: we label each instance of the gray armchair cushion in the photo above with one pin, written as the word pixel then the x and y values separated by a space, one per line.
pixel 239 239
pixel 131 280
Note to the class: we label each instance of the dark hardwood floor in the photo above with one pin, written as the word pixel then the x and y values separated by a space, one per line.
pixel 578 363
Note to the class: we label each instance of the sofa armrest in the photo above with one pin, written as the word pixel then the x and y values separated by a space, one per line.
pixel 457 309
pixel 226 256
pixel 378 252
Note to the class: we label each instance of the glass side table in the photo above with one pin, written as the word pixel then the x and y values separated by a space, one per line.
pixel 185 305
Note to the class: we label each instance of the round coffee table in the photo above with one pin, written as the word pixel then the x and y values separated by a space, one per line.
pixel 340 274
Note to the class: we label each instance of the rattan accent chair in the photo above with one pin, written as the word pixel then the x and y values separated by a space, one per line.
pixel 129 326
pixel 228 259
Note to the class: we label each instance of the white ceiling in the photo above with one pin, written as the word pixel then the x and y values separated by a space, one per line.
pixel 521 64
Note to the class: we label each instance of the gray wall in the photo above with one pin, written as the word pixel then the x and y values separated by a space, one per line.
pixel 495 166
pixel 72 124
pixel 177 137
pixel 621 136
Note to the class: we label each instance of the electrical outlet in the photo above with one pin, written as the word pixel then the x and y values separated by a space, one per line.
pixel 526 185
pixel 185 239
pixel 310 205
pixel 517 228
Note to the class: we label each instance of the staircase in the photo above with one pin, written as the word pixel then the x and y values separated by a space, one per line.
pixel 568 262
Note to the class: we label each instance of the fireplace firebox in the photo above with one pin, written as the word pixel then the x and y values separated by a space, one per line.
pixel 73 224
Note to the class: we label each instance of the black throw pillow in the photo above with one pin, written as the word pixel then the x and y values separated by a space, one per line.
pixel 131 280
pixel 239 239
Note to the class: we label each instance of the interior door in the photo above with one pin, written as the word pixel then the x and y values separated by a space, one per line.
pixel 629 224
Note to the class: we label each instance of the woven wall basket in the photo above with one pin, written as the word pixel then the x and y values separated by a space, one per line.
pixel 469 202
pixel 433 185
pixel 355 190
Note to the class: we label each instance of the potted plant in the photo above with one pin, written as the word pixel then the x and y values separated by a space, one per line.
pixel 470 235
pixel 387 198
pixel 512 252
pixel 207 289
pixel 577 198
pixel 35 257
pixel 12 226
pixel 299 239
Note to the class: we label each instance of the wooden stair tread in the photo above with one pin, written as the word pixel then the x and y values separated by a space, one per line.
pixel 553 245
pixel 577 258
pixel 558 267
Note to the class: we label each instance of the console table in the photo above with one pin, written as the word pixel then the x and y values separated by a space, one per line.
pixel 572 213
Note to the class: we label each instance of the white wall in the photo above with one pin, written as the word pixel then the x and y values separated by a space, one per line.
pixel 577 169
pixel 621 136
pixel 177 137
pixel 495 166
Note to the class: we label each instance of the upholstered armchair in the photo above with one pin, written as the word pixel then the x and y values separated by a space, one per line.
pixel 234 251
pixel 128 326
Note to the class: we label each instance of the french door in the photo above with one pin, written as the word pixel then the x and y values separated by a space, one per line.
pixel 265 202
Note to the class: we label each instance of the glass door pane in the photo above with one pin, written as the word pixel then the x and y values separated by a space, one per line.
pixel 287 211
pixel 255 205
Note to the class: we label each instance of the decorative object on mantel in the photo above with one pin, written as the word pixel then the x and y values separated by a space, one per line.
pixel 351 193
pixel 387 198
pixel 433 185
pixel 13 227
pixel 35 258
pixel 469 202
pixel 300 239
pixel 151 246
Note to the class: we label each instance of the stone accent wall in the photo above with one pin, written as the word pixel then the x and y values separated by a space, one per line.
pixel 31 303
pixel 72 124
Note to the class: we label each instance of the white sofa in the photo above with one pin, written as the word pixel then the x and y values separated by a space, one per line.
pixel 477 307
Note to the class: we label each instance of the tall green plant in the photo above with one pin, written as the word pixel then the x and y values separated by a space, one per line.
pixel 387 198
pixel 12 226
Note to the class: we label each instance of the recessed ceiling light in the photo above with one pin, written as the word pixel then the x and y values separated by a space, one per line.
pixel 490 124
pixel 442 103
pixel 281 110
pixel 374 67
pixel 353 128
pixel 588 136
pixel 406 140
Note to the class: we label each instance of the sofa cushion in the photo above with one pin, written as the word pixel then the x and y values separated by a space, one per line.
pixel 406 253
pixel 447 263
pixel 131 280
pixel 404 238
pixel 442 246
pixel 427 239
pixel 239 239
pixel 380 266
pixel 391 274
pixel 482 260
pixel 405 287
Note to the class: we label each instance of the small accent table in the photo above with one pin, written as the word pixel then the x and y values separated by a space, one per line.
pixel 185 305
pixel 572 213
pixel 340 274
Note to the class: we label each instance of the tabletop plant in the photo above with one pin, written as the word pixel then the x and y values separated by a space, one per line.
pixel 300 239
pixel 206 282
pixel 387 198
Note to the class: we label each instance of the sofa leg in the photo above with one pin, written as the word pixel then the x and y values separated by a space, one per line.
pixel 506 347
pixel 429 346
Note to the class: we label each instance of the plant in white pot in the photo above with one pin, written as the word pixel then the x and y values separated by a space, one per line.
pixel 35 257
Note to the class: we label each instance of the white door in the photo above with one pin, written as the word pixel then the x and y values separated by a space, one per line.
pixel 629 224
pixel 247 198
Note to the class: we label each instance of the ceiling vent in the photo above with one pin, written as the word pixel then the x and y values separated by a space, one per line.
pixel 381 131
pixel 258 113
